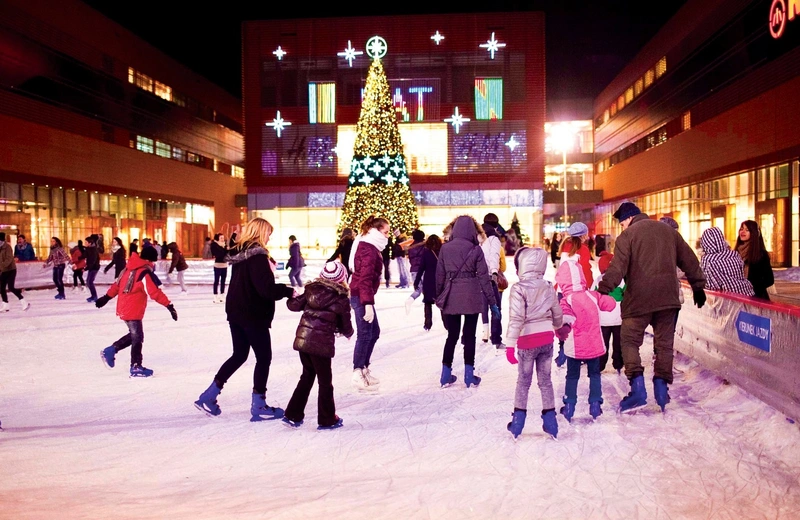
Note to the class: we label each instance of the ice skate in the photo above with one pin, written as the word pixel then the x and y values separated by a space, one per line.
pixel 469 377
pixel 447 378
pixel 4 307
pixel 24 304
pixel 290 423
pixel 261 411
pixel 636 398
pixel 138 370
pixel 107 355
pixel 207 402
pixel 517 422
pixel 338 424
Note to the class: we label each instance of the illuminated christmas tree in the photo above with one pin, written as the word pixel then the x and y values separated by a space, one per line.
pixel 378 183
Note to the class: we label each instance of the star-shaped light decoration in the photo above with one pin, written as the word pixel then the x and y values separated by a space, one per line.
pixel 376 47
pixel 492 46
pixel 349 53
pixel 456 120
pixel 437 37
pixel 280 53
pixel 512 143
pixel 278 123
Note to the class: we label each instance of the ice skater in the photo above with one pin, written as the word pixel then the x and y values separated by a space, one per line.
pixel 58 258
pixel 8 273
pixel 326 312
pixel 534 312
pixel 133 286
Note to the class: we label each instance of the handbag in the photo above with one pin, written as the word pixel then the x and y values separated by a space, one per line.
pixel 441 299
pixel 502 281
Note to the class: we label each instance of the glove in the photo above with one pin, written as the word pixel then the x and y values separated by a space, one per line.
pixel 369 313
pixel 172 311
pixel 562 333
pixel 510 355
pixel 699 296
pixel 495 311
pixel 101 301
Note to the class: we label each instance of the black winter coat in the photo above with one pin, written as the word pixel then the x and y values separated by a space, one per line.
pixel 326 311
pixel 343 253
pixel 218 252
pixel 117 262
pixel 760 276
pixel 252 291
pixel 92 258
pixel 427 272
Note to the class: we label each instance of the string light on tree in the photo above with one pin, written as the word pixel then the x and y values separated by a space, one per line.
pixel 349 53
pixel 492 46
pixel 437 37
pixel 280 53
pixel 456 120
pixel 278 123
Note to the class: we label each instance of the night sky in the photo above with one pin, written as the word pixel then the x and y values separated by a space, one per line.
pixel 587 42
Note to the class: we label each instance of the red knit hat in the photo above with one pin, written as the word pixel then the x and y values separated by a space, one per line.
pixel 604 261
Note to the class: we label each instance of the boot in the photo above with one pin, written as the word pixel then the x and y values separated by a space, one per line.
pixel 372 381
pixel 359 380
pixel 137 370
pixel 469 377
pixel 260 410
pixel 637 397
pixel 447 378
pixel 568 410
pixel 107 355
pixel 550 423
pixel 661 392
pixel 595 409
pixel 24 303
pixel 517 422
pixel 338 424
pixel 207 402
pixel 4 307
pixel 486 331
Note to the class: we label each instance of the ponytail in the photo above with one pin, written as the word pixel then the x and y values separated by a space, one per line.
pixel 373 222
pixel 571 243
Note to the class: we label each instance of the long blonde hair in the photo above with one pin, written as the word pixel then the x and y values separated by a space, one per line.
pixel 257 231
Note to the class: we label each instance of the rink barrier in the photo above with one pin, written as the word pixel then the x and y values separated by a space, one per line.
pixel 754 344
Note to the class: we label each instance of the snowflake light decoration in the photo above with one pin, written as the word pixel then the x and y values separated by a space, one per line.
pixel 492 46
pixel 349 53
pixel 278 123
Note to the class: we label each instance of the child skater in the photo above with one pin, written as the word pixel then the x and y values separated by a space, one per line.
pixel 611 322
pixel 534 312
pixel 325 304
pixel 426 277
pixel 133 292
pixel 581 314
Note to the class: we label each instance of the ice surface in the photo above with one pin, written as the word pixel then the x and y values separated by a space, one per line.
pixel 82 441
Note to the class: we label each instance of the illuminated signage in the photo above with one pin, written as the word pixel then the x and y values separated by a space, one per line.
pixel 779 13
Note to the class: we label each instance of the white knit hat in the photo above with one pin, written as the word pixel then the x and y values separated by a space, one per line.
pixel 334 272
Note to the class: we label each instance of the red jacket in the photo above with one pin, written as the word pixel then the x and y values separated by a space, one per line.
pixel 133 286
pixel 77 259
pixel 585 256
pixel 367 269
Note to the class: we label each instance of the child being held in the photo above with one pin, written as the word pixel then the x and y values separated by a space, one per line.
pixel 534 312
pixel 325 305
pixel 581 315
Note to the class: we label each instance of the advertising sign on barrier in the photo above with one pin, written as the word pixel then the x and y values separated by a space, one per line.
pixel 754 330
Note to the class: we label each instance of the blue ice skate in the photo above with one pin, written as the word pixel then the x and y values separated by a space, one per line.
pixel 568 410
pixel 595 409
pixel 636 398
pixel 107 355
pixel 138 370
pixel 469 377
pixel 661 392
pixel 261 411
pixel 550 423
pixel 207 402
pixel 517 422
pixel 447 378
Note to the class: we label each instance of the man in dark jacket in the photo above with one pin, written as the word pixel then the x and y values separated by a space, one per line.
pixel 646 256
pixel 92 265
pixel 179 263
pixel 134 248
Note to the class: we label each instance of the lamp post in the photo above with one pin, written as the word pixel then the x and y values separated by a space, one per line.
pixel 563 136
pixel 564 154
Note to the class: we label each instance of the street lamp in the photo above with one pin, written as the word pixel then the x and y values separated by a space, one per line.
pixel 562 138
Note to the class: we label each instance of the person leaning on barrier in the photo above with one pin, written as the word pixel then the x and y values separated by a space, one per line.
pixel 645 256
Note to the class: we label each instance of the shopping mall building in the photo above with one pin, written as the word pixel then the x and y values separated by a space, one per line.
pixel 469 91
pixel 704 124
pixel 102 133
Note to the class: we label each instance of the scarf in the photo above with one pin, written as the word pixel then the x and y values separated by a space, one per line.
pixel 744 250
pixel 374 238
pixel 114 248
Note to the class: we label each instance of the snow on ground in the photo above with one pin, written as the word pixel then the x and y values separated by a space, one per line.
pixel 82 441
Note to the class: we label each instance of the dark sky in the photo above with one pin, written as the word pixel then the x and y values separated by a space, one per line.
pixel 587 42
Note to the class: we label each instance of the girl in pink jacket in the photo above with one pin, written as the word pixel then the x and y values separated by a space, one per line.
pixel 582 316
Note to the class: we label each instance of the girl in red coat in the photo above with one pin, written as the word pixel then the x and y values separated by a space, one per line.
pixel 134 285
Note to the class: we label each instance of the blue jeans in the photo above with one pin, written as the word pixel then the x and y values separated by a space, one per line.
pixel 134 339
pixel 294 277
pixel 497 325
pixel 403 269
pixel 90 283
pixel 220 275
pixel 367 335
pixel 574 372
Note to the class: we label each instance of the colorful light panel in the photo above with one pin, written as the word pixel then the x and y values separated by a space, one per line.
pixel 488 98
pixel 321 103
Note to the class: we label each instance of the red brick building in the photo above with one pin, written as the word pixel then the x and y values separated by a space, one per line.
pixel 488 68
pixel 102 133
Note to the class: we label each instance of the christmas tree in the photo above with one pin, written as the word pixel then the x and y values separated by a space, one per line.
pixel 378 183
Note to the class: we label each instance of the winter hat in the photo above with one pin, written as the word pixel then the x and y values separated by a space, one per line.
pixel 604 261
pixel 577 229
pixel 149 253
pixel 334 272
pixel 626 210
pixel 670 221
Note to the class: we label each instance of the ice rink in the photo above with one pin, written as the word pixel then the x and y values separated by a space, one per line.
pixel 83 441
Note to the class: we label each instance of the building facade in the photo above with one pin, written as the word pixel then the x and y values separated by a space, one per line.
pixel 102 133
pixel 702 125
pixel 469 96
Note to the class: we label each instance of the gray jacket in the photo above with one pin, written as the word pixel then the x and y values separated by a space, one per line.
pixel 533 304
pixel 461 264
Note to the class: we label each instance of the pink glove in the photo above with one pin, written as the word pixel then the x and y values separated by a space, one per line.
pixel 510 355
pixel 563 333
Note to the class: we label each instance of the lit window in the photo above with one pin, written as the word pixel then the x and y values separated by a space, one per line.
pixel 686 120
pixel 620 102
pixel 163 91
pixel 216 165
pixel 163 149
pixel 178 154
pixel 488 98
pixel 638 87
pixel 143 81
pixel 649 77
pixel 661 67
pixel 131 75
pixel 321 103
pixel 613 109
pixel 238 172
pixel 629 95
pixel 143 144
pixel 606 117
pixel 178 99
pixel 192 157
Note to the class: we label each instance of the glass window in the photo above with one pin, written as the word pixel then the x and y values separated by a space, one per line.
pixel 620 102
pixel 321 103
pixel 661 67
pixel 638 87
pixel 238 172
pixel 131 75
pixel 178 154
pixel 649 77
pixel 629 95
pixel 163 91
pixel 488 98
pixel 163 149
pixel 143 144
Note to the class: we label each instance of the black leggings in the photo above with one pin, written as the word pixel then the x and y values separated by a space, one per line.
pixel 7 280
pixel 257 337
pixel 220 275
pixel 453 324
pixel 58 278
pixel 77 276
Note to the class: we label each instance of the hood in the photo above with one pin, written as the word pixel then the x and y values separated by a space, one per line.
pixel 531 263
pixel 569 276
pixel 172 246
pixel 240 255
pixel 713 241
pixel 135 262
pixel 464 227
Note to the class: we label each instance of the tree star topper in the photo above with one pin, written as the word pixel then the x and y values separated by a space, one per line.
pixel 376 47
pixel 278 123
pixel 280 53
pixel 437 37
pixel 349 53
pixel 492 46
pixel 456 120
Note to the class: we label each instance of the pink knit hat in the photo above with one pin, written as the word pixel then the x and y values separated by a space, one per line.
pixel 334 272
